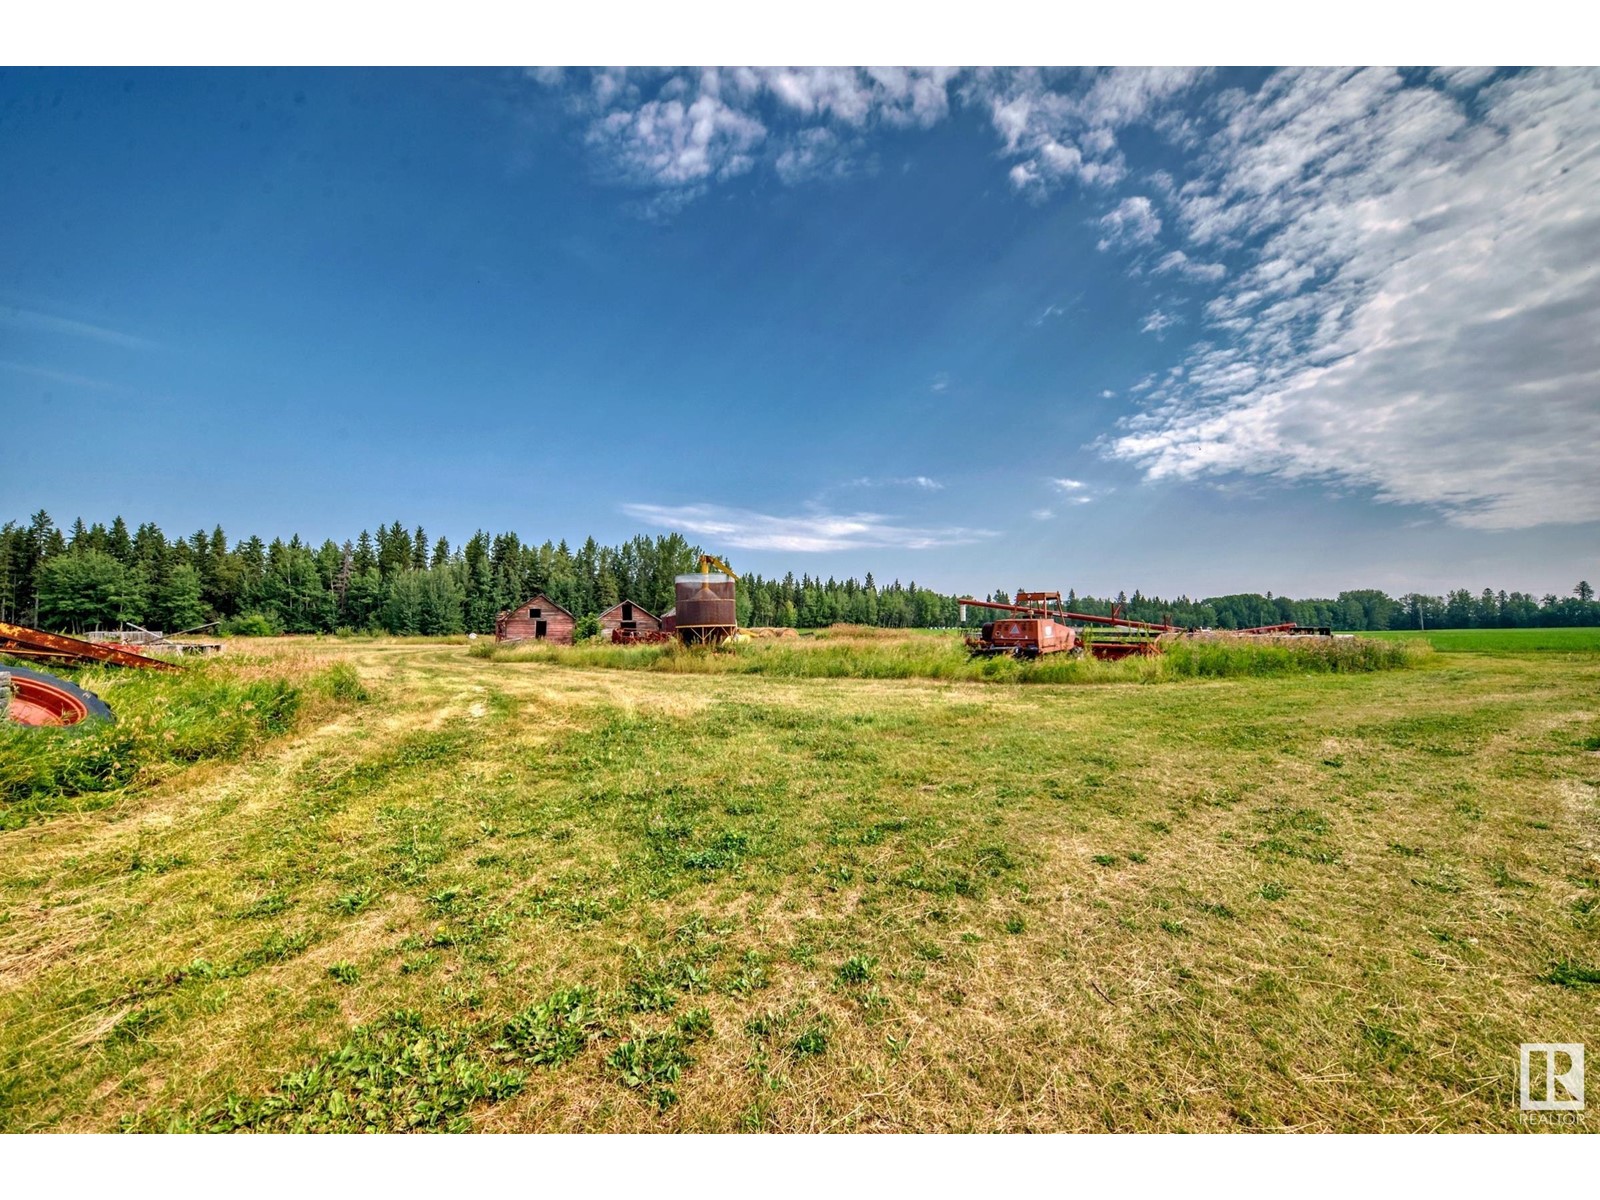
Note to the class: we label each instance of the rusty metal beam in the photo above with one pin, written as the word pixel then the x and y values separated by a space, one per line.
pixel 56 647
pixel 1062 614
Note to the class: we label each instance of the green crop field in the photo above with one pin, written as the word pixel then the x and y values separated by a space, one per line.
pixel 324 885
pixel 1502 641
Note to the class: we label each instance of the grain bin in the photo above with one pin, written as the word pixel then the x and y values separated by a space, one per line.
pixel 706 613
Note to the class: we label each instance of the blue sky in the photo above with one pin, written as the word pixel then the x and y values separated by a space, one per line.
pixel 1183 331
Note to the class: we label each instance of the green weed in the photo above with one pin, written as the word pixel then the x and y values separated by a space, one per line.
pixel 1569 973
pixel 553 1031
pixel 391 1076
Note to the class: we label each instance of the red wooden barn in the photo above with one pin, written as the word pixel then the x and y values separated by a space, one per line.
pixel 628 617
pixel 539 619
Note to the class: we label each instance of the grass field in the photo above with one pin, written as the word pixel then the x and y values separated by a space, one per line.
pixel 438 891
pixel 1502 641
pixel 855 652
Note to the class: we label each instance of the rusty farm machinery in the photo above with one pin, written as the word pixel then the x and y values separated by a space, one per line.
pixel 1041 624
pixel 29 697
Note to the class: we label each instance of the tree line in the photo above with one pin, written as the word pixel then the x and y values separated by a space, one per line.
pixel 1360 609
pixel 400 581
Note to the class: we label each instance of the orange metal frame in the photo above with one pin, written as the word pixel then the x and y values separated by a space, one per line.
pixel 22 642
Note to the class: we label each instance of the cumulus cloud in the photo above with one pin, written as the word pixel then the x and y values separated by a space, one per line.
pixel 1411 296
pixel 1063 126
pixel 810 532
pixel 679 142
pixel 1420 312
pixel 1158 321
pixel 1177 262
pixel 1131 223
pixel 679 131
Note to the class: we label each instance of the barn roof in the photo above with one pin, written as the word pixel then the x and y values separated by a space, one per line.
pixel 548 603
pixel 637 607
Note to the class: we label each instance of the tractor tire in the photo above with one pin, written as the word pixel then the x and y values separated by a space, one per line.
pixel 98 709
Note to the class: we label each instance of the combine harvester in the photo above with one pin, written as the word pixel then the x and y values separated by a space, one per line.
pixel 33 698
pixel 1042 627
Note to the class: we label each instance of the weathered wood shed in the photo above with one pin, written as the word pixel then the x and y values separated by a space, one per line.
pixel 538 619
pixel 628 617
pixel 669 620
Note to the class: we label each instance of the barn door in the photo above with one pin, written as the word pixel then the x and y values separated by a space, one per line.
pixel 540 628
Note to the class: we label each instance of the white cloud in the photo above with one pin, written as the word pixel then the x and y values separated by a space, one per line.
pixel 1179 262
pixel 1068 485
pixel 680 130
pixel 923 482
pixel 1131 223
pixel 41 322
pixel 1158 321
pixel 676 144
pixel 1412 297
pixel 811 532
pixel 1463 77
pixel 1420 313
pixel 1024 176
pixel 811 154
pixel 1043 514
pixel 1063 125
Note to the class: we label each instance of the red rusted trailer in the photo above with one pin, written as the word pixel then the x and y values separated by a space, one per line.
pixel 1025 637
pixel 1124 637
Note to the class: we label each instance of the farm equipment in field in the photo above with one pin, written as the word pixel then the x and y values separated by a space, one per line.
pixel 705 613
pixel 1289 629
pixel 19 641
pixel 34 698
pixel 1025 637
pixel 1042 626
pixel 641 637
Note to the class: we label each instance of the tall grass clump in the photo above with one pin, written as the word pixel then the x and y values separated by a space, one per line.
pixel 843 656
pixel 212 710
pixel 1227 657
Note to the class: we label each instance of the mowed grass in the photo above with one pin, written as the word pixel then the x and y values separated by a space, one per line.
pixel 1585 640
pixel 538 896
